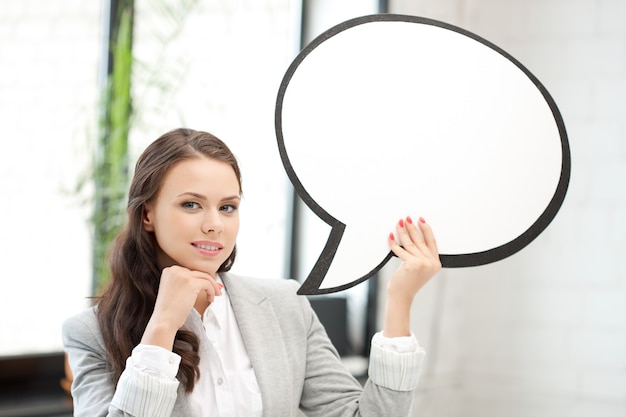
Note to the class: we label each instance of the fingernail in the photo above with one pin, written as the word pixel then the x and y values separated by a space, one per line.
pixel 220 285
pixel 401 223
pixel 422 220
pixel 409 220
pixel 391 236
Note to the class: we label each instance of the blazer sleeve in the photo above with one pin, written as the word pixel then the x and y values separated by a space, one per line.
pixel 331 391
pixel 137 394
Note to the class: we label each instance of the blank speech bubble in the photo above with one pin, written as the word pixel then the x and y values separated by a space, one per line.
pixel 385 116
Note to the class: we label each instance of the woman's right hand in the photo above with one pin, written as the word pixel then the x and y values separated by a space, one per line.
pixel 179 289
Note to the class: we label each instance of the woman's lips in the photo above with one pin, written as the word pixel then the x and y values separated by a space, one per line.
pixel 208 248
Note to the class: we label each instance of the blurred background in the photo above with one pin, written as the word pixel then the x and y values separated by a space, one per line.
pixel 85 86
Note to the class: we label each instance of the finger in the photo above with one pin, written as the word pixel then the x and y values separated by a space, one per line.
pixel 429 236
pixel 395 246
pixel 412 239
pixel 215 287
pixel 208 282
pixel 401 251
pixel 404 238
pixel 416 235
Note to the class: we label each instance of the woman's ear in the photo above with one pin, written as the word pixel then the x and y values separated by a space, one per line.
pixel 148 225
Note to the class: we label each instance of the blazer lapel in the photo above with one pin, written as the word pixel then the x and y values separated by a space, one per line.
pixel 263 339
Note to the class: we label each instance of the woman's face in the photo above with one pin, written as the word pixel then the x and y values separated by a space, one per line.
pixel 195 216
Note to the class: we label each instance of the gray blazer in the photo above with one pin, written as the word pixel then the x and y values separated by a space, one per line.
pixel 294 361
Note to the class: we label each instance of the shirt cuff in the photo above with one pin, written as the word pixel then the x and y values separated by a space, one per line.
pixel 148 386
pixel 154 360
pixel 402 344
pixel 395 362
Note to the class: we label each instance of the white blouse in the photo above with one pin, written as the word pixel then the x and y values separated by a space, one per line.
pixel 227 386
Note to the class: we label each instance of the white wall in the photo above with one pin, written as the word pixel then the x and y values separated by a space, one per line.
pixel 543 333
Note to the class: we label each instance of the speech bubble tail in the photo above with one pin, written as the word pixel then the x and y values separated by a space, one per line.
pixel 319 272
pixel 316 276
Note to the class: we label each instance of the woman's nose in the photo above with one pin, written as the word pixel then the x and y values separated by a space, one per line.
pixel 212 223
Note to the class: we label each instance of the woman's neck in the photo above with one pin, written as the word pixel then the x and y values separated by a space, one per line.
pixel 201 303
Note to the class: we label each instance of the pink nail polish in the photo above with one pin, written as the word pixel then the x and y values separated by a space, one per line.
pixel 391 237
pixel 220 285
pixel 409 220
pixel 401 223
pixel 422 220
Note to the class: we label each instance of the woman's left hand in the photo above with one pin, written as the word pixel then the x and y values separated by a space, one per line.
pixel 417 248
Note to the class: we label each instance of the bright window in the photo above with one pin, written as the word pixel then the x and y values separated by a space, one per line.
pixel 219 73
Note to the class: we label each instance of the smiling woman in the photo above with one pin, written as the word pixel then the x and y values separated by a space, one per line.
pixel 191 210
pixel 174 333
pixel 164 231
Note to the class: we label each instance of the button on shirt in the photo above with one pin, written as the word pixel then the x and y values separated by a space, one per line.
pixel 227 385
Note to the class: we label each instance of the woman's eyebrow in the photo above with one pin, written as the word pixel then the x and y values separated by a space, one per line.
pixel 192 194
pixel 232 197
pixel 203 197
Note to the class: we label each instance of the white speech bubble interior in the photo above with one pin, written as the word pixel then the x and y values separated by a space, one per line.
pixel 389 116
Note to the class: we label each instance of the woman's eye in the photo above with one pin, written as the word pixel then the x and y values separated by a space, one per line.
pixel 228 208
pixel 190 205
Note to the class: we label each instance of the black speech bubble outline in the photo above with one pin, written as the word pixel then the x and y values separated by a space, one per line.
pixel 311 285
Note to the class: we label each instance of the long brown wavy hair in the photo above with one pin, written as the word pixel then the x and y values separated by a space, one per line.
pixel 127 302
